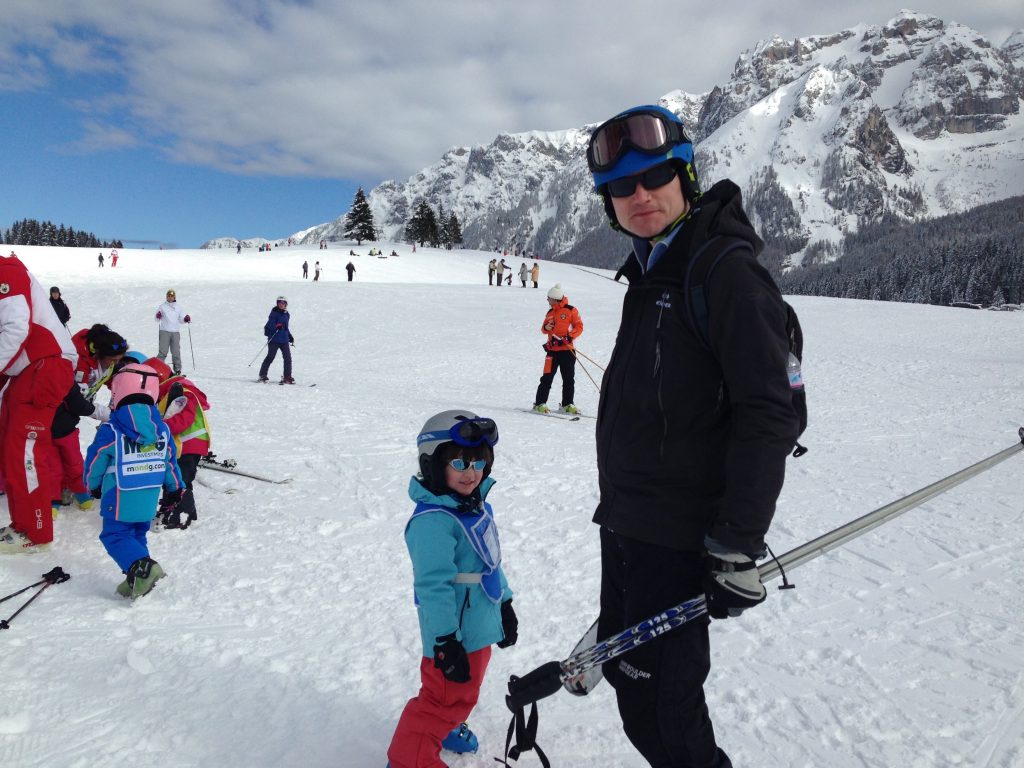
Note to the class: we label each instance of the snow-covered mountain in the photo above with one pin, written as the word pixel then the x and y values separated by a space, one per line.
pixel 918 117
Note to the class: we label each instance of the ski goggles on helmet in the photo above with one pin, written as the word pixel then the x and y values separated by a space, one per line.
pixel 468 433
pixel 461 465
pixel 648 132
pixel 652 178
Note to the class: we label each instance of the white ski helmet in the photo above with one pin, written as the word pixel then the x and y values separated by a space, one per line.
pixel 461 427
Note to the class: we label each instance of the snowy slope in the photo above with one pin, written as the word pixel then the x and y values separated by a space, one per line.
pixel 285 633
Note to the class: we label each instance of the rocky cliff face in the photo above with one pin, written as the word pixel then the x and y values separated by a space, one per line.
pixel 913 118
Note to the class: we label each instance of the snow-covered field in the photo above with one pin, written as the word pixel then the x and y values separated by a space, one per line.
pixel 285 633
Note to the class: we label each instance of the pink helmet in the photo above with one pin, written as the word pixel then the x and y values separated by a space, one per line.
pixel 135 379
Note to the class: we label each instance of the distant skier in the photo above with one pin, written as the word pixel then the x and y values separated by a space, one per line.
pixel 523 273
pixel 351 269
pixel 305 270
pixel 492 266
pixel 316 271
pixel 100 259
pixel 63 313
pixel 170 316
pixel 278 340
pixel 463 600
pixel 535 274
pixel 563 325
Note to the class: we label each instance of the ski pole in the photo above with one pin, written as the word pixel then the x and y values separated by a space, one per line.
pixel 548 678
pixel 591 360
pixel 846 533
pixel 259 353
pixel 596 386
pixel 190 347
pixel 54 576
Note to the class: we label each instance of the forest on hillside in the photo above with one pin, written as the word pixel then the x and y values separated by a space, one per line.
pixel 975 257
pixel 33 232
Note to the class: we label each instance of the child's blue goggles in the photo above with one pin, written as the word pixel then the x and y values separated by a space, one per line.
pixel 468 433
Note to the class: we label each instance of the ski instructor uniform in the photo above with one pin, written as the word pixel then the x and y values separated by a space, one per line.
pixel 38 356
pixel 692 439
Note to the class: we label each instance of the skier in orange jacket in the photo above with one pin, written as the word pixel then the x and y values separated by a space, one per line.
pixel 562 325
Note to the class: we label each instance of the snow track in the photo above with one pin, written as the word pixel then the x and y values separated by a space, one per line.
pixel 285 635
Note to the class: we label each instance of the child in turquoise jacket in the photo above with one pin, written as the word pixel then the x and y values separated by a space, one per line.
pixel 462 596
pixel 131 458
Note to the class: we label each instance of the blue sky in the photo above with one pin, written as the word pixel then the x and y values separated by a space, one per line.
pixel 174 124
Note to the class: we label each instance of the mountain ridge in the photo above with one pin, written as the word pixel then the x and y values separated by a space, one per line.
pixel 915 118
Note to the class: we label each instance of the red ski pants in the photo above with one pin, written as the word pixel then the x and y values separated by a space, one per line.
pixel 437 709
pixel 26 415
pixel 66 465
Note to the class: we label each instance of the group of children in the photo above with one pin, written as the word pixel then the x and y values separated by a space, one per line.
pixel 152 437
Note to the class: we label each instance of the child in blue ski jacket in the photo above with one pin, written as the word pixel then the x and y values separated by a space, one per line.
pixel 129 461
pixel 462 597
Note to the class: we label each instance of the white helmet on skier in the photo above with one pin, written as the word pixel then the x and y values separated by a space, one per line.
pixel 466 432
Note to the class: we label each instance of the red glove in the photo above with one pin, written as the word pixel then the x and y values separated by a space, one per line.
pixel 188 319
pixel 279 325
pixel 159 315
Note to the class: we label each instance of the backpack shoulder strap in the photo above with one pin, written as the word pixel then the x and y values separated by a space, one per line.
pixel 698 271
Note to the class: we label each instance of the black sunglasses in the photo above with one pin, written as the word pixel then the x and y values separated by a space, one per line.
pixel 652 178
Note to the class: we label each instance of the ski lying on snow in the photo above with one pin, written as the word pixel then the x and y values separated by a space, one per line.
pixel 553 414
pixel 232 470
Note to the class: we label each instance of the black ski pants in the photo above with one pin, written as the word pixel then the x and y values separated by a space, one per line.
pixel 272 349
pixel 563 360
pixel 660 685
pixel 188 465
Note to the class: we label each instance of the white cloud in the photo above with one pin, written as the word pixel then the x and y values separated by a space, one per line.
pixel 382 89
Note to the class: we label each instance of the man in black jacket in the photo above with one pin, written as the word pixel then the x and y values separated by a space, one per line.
pixel 63 313
pixel 692 436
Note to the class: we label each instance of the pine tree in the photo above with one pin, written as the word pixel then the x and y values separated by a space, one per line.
pixel 452 231
pixel 359 220
pixel 422 226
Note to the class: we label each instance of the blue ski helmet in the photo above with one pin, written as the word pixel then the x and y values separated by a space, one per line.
pixel 629 153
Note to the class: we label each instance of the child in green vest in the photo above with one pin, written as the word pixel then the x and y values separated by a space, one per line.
pixel 184 409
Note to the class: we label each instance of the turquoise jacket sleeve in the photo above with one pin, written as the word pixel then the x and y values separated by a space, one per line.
pixel 431 542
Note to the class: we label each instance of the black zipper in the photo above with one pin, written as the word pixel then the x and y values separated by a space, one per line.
pixel 465 605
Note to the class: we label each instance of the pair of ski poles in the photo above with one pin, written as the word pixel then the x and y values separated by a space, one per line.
pixel 577 354
pixel 548 678
pixel 54 576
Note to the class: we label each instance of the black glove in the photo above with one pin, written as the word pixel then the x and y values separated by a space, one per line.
pixel 450 657
pixel 509 625
pixel 732 584
pixel 96 493
pixel 168 512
